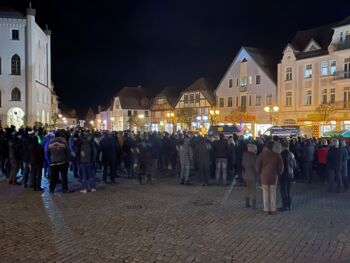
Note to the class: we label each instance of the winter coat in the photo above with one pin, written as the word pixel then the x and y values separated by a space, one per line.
pixel 86 151
pixel 145 155
pixel 36 154
pixel 322 154
pixel 108 149
pixel 334 158
pixel 14 149
pixel 269 165
pixel 289 164
pixel 248 166
pixel 202 152
pixel 221 148
pixel 307 152
pixel 185 153
pixel 57 150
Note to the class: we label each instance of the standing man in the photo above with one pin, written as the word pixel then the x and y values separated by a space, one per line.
pixel 36 162
pixel 334 164
pixel 58 154
pixel 250 174
pixel 287 176
pixel 202 152
pixel 270 165
pixel 108 149
pixel 86 155
pixel 307 158
pixel 221 150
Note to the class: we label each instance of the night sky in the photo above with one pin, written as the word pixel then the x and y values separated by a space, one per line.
pixel 100 46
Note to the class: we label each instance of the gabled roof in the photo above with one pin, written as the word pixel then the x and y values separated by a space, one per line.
pixel 133 98
pixel 205 86
pixel 312 46
pixel 170 93
pixel 6 12
pixel 266 59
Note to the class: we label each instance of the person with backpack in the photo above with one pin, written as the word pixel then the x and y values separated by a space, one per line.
pixel 86 156
pixel 289 164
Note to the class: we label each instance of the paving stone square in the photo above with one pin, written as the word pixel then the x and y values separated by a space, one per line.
pixel 168 222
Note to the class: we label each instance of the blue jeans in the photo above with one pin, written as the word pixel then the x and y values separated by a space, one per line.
pixel 88 176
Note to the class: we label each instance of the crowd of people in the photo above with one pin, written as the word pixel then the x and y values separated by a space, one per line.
pixel 31 153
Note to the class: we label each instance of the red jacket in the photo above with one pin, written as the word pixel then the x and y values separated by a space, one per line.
pixel 322 154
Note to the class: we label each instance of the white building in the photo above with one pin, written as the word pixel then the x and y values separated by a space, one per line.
pixel 130 110
pixel 315 74
pixel 248 86
pixel 25 70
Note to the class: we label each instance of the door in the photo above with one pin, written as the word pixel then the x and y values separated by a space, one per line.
pixel 347 68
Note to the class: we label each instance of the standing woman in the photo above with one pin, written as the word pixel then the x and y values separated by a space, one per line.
pixel 250 174
pixel 270 166
pixel 185 153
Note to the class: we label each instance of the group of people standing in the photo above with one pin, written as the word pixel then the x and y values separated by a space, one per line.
pixel 270 162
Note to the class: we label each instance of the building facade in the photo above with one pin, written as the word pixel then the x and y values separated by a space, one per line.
pixel 246 89
pixel 130 109
pixel 25 70
pixel 314 79
pixel 162 110
pixel 193 107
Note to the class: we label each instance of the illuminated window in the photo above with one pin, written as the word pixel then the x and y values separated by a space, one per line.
pixel 324 68
pixel 333 67
pixel 308 71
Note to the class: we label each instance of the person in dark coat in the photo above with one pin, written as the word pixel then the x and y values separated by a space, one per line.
pixel 289 164
pixel 221 150
pixel 241 147
pixel 25 141
pixel 86 156
pixel 145 159
pixel 344 168
pixel 155 152
pixel 14 145
pixel 334 165
pixel 36 158
pixel 231 160
pixel 108 150
pixel 202 159
pixel 307 158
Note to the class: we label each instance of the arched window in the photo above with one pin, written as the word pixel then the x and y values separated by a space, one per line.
pixel 15 65
pixel 15 94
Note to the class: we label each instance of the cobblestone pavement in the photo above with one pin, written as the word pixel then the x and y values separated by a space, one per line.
pixel 167 222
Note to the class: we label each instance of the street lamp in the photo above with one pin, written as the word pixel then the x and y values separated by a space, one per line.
pixel 171 116
pixel 272 110
pixel 213 115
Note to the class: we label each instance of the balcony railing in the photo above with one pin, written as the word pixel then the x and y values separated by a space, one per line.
pixel 343 45
pixel 339 75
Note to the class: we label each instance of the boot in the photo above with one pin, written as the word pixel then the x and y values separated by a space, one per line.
pixel 254 204
pixel 247 202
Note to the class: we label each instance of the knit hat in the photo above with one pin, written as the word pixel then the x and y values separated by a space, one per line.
pixel 324 142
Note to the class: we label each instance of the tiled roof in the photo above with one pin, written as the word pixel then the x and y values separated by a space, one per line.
pixel 205 86
pixel 10 13
pixel 133 98
pixel 266 60
pixel 170 93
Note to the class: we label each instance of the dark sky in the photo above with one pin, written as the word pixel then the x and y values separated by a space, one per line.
pixel 100 46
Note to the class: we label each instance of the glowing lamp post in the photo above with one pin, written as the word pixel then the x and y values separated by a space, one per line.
pixel 213 115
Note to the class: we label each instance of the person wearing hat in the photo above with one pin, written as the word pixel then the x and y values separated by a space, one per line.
pixel 250 174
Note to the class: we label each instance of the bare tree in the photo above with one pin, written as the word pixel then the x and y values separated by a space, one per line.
pixel 186 116
pixel 325 110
